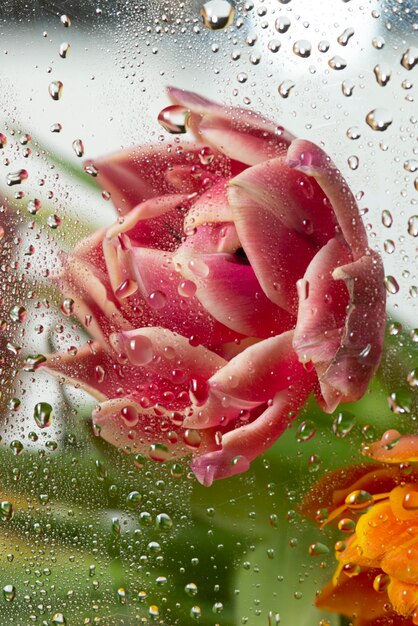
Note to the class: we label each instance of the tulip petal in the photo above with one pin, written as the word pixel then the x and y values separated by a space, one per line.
pixel 322 306
pixel 168 351
pixel 251 378
pixel 242 135
pixel 147 210
pixel 232 294
pixel 160 293
pixel 307 157
pixel 356 360
pixel 91 369
pixel 93 302
pixel 278 254
pixel 125 424
pixel 244 444
pixel 137 174
pixel 210 207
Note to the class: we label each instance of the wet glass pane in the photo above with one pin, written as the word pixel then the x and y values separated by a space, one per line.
pixel 208 312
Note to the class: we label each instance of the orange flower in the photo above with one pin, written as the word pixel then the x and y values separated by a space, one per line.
pixel 376 506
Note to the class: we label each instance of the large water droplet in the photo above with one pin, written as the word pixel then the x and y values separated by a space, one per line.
pixel 55 89
pixel 383 74
pixel 16 178
pixel 43 414
pixel 345 36
pixel 64 49
pixel 302 48
pixel 138 349
pixel 379 119
pixel 337 63
pixel 391 284
pixel 217 14
pixel 413 225
pixel 65 20
pixel 282 24
pixel 285 88
pixel 174 119
pixel 78 147
pixel 409 58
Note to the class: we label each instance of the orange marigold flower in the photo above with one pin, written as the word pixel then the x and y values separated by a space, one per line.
pixel 376 505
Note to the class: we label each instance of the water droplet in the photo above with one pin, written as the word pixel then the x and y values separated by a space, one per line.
pixel 343 424
pixel 381 582
pixel 358 500
pixel 273 618
pixel 130 415
pixel 174 119
pixel 217 14
pixel 3 141
pixel 159 452
pixel 78 147
pixel 411 165
pixel 323 45
pixel 196 612
pixel 412 377
pixel 67 306
pixel 55 89
pixel 55 128
pixel 59 620
pixel 347 88
pixel 337 63
pixel 163 522
pixel 351 569
pixel 16 178
pixel 282 24
pixel 379 119
pixel 378 43
pixel 345 36
pixel 43 414
pixel 305 431
pixel 285 88
pixel 9 593
pixel 6 511
pixel 65 20
pixel 64 49
pixel 302 48
pixel 383 74
pixel 410 500
pixel 54 221
pixel 391 284
pixel 139 349
pixel 353 162
pixel 409 58
pixel 353 133
pixel 157 300
pixel 387 219
pixel 318 549
pixel 191 589
pixel 18 313
pixel 274 45
pixel 346 525
pixel 389 246
pixel 32 362
pixel 400 401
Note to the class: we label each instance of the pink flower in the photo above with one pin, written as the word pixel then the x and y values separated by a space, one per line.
pixel 236 281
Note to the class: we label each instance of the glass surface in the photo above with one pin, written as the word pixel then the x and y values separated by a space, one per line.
pixel 91 534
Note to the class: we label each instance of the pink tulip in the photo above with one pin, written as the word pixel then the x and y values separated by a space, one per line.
pixel 238 281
